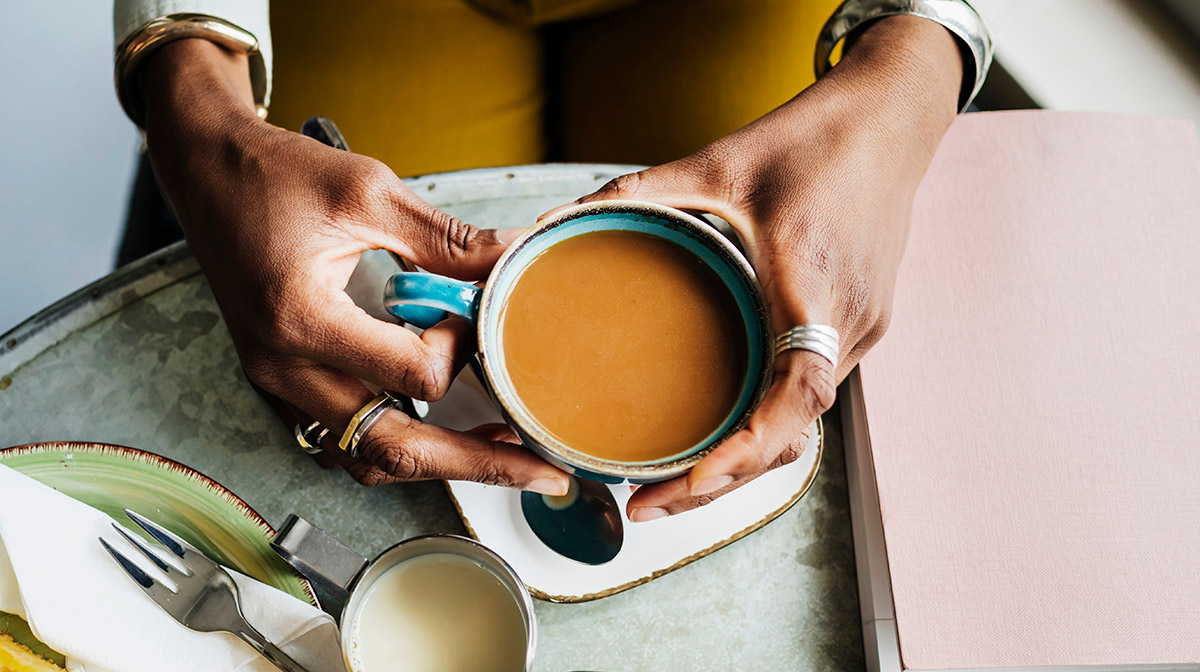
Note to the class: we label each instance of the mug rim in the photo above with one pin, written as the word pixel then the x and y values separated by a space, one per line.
pixel 522 596
pixel 634 471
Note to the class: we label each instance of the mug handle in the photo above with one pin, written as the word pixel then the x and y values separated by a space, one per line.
pixel 424 299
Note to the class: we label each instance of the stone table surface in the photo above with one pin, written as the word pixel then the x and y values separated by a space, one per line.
pixel 142 359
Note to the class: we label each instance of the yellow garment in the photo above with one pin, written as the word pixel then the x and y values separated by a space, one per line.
pixel 434 85
pixel 537 12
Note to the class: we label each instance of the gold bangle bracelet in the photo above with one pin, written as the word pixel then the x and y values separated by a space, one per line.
pixel 157 32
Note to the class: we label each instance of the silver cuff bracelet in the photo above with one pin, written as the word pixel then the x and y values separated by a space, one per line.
pixel 157 32
pixel 956 16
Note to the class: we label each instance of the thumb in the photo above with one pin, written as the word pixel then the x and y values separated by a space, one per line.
pixel 411 450
pixel 804 388
pixel 678 184
pixel 444 244
pixel 776 435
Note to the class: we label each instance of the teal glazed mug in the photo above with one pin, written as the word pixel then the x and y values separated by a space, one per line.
pixel 423 299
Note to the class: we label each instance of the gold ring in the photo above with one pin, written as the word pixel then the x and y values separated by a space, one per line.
pixel 350 438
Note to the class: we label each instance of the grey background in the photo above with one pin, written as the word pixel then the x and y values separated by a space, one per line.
pixel 66 155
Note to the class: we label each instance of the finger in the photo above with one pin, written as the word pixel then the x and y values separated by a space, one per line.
pixel 668 498
pixel 327 458
pixel 292 417
pixel 344 337
pixel 776 435
pixel 311 392
pixel 496 431
pixel 682 184
pixel 359 469
pixel 804 388
pixel 408 450
pixel 441 243
pixel 404 447
pixel 299 419
pixel 332 457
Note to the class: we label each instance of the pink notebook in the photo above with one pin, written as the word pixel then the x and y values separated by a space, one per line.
pixel 1024 444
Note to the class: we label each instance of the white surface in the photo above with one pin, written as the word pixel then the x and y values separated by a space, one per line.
pixel 494 513
pixel 70 591
pixel 67 154
pixel 1099 55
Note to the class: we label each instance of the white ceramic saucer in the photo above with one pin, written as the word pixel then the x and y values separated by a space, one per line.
pixel 493 516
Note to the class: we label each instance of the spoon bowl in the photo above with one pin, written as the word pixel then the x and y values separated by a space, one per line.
pixel 583 525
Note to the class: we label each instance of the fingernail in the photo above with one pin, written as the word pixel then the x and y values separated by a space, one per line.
pixel 711 484
pixel 647 514
pixel 507 236
pixel 555 487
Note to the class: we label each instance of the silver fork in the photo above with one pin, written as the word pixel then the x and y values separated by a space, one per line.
pixel 205 598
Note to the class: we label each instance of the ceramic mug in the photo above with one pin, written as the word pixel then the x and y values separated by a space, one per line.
pixel 423 299
pixel 348 576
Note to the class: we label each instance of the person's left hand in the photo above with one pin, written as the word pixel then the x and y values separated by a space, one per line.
pixel 821 191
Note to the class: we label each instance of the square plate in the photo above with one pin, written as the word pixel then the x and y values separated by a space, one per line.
pixel 493 516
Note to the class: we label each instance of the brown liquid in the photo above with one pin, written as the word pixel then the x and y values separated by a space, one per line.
pixel 624 345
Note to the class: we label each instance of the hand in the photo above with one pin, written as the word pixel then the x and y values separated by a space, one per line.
pixel 821 191
pixel 278 222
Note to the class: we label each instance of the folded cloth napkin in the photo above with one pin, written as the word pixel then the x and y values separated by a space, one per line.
pixel 55 575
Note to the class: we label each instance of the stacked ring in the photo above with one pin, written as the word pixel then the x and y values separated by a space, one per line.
pixel 362 421
pixel 310 437
pixel 309 443
pixel 819 338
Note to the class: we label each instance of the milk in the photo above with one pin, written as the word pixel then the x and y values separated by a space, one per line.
pixel 435 612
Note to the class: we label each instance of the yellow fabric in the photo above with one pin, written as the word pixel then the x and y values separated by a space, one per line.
pixel 537 12
pixel 422 85
pixel 658 80
pixel 433 85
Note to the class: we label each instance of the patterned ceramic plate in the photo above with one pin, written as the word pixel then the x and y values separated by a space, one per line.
pixel 197 508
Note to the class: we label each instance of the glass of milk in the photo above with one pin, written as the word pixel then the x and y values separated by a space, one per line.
pixel 433 603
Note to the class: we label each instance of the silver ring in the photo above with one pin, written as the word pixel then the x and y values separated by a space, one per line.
pixel 310 445
pixel 819 338
pixel 361 430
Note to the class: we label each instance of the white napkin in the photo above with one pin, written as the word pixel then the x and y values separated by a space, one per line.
pixel 55 575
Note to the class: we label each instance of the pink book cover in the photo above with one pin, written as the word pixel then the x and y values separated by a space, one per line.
pixel 1034 409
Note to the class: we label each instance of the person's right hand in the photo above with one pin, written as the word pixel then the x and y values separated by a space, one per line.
pixel 278 222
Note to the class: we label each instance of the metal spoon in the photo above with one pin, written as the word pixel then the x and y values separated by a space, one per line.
pixel 583 525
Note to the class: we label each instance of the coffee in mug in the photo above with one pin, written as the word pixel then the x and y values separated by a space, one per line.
pixel 621 340
pixel 624 345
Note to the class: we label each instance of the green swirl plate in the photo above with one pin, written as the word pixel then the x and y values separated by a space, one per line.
pixel 190 504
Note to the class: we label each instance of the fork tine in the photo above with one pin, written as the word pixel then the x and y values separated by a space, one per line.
pixel 162 595
pixel 171 542
pixel 145 550
pixel 142 578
